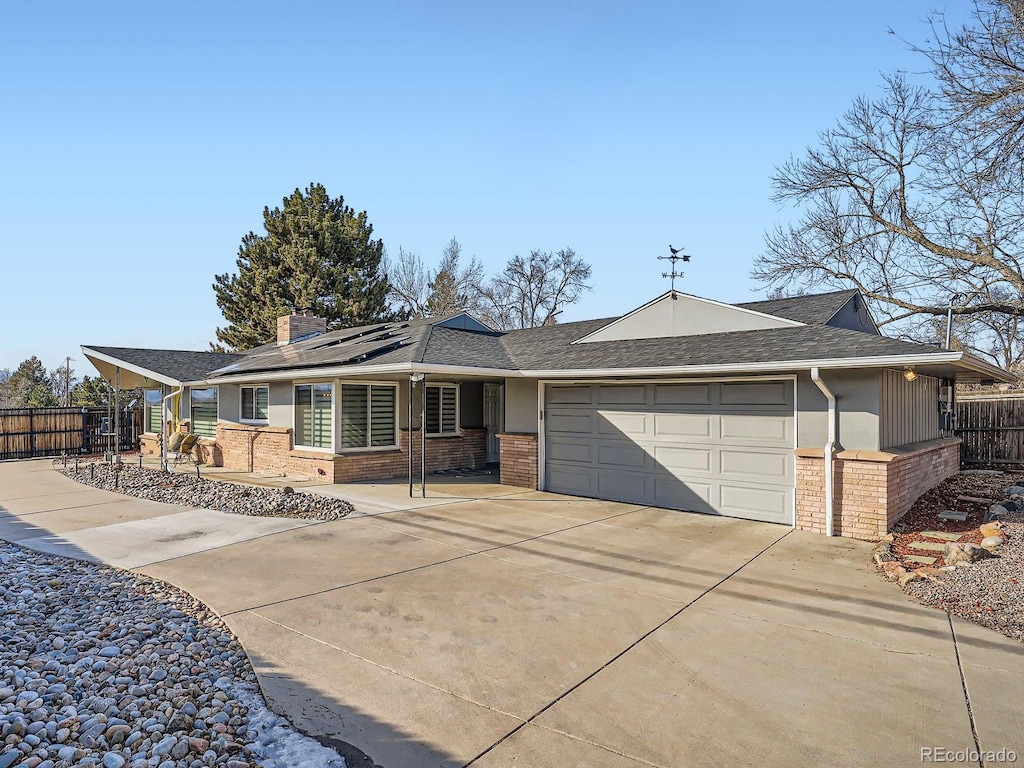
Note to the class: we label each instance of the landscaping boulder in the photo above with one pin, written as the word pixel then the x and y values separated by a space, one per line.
pixel 1014 490
pixel 996 512
pixel 893 570
pixel 995 528
pixel 963 554
pixel 992 542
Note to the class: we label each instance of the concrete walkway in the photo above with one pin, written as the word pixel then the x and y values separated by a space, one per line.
pixel 496 627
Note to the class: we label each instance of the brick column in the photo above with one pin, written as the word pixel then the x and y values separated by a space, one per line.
pixel 873 489
pixel 518 459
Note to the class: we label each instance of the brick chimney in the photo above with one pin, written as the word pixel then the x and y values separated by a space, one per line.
pixel 299 324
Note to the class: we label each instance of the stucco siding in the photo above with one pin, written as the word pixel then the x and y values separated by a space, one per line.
pixel 521 405
pixel 857 401
pixel 685 316
pixel 281 404
pixel 227 403
pixel 855 318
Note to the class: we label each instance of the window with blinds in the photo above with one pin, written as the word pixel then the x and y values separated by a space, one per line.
pixel 204 411
pixel 442 409
pixel 255 403
pixel 314 415
pixel 369 415
pixel 154 402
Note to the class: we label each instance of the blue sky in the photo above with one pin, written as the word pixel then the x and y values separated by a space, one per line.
pixel 141 141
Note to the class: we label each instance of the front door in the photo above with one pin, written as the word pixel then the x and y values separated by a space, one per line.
pixel 492 419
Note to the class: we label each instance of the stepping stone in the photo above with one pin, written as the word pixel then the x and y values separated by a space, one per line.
pixel 920 559
pixel 941 535
pixel 931 546
pixel 950 514
pixel 981 472
pixel 976 499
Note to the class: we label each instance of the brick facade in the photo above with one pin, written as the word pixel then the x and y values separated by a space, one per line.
pixel 518 459
pixel 873 489
pixel 269 449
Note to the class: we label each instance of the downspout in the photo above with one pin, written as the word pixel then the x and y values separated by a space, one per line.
pixel 163 426
pixel 830 446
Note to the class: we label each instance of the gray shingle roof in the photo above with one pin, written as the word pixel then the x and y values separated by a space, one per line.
pixel 549 348
pixel 552 351
pixel 177 364
pixel 813 310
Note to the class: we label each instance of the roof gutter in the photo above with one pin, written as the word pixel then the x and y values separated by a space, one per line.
pixel 830 448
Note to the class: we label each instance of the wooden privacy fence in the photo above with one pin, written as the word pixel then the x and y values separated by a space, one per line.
pixel 27 433
pixel 992 429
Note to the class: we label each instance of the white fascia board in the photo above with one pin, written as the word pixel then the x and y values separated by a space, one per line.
pixel 652 302
pixel 889 361
pixel 777 366
pixel 92 353
pixel 341 372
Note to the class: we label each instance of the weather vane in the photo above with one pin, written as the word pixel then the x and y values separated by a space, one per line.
pixel 675 258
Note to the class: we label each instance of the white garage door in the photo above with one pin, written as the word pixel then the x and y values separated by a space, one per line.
pixel 720 447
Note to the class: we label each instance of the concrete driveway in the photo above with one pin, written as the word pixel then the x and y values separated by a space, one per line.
pixel 488 626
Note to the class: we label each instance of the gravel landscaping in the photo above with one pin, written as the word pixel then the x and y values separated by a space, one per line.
pixel 101 667
pixel 189 490
pixel 988 591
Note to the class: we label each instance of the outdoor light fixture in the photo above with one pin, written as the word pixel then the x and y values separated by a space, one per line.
pixel 908 373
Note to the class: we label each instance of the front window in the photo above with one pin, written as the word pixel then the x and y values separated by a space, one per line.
pixel 442 409
pixel 313 420
pixel 368 415
pixel 255 403
pixel 154 404
pixel 204 412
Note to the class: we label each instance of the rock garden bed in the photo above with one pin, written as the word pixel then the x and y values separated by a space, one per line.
pixel 101 667
pixel 961 549
pixel 191 491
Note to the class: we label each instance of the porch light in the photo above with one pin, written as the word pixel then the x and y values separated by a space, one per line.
pixel 908 373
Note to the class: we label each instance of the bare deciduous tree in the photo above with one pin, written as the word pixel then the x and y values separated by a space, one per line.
pixel 980 70
pixel 409 283
pixel 533 291
pixel 918 195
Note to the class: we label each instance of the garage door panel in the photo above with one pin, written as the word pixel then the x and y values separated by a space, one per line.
pixel 621 455
pixel 619 395
pixel 679 460
pixel 628 424
pixel 622 486
pixel 760 429
pixel 580 395
pixel 718 447
pixel 776 393
pixel 689 495
pixel 565 450
pixel 761 465
pixel 571 423
pixel 683 425
pixel 570 481
pixel 756 502
pixel 682 394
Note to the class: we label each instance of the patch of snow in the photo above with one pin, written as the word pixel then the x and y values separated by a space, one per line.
pixel 277 743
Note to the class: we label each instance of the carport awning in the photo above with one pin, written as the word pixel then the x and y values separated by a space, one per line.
pixel 153 367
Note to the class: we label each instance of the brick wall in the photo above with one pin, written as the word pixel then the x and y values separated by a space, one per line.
pixel 873 489
pixel 269 449
pixel 518 460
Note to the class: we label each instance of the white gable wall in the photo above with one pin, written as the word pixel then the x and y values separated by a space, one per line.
pixel 683 315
